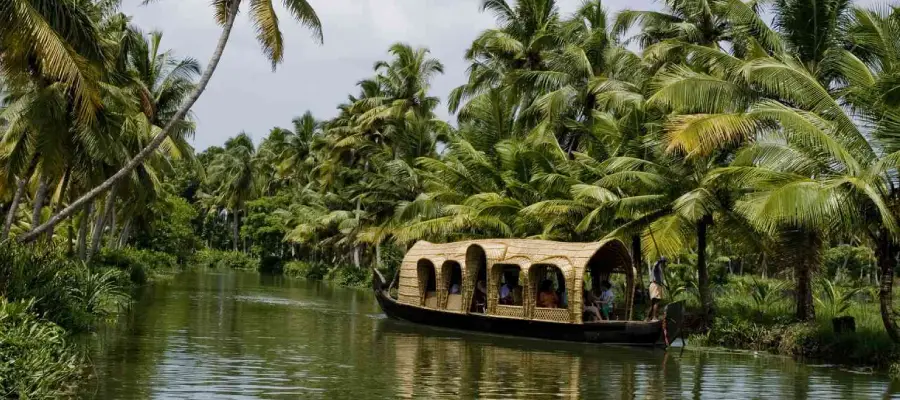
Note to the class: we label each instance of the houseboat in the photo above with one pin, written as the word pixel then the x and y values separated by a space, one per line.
pixel 502 286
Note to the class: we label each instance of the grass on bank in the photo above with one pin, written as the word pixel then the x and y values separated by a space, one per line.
pixel 754 313
pixel 46 296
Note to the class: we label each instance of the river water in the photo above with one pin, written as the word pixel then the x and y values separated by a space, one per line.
pixel 236 335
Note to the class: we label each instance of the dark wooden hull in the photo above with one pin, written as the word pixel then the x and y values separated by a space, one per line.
pixel 610 332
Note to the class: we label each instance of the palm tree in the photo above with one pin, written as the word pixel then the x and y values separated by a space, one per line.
pixel 233 176
pixel 58 41
pixel 262 13
pixel 526 31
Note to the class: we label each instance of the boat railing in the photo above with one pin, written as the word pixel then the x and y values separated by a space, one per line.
pixel 552 314
pixel 504 310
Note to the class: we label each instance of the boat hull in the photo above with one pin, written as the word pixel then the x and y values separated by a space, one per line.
pixel 610 332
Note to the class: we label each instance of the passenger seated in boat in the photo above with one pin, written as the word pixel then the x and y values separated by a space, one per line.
pixel 591 311
pixel 511 292
pixel 606 300
pixel 547 298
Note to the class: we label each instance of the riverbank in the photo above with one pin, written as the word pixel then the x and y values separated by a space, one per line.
pixel 754 314
pixel 47 297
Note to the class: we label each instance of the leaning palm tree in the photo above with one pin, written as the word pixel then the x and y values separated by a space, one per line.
pixel 263 15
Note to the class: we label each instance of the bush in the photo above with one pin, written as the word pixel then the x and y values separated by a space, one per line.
pixel 218 259
pixel 170 231
pixel 35 359
pixel 140 265
pixel 308 270
pixel 848 262
pixel 349 276
pixel 66 292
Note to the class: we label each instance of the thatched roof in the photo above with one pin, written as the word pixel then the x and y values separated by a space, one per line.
pixel 572 259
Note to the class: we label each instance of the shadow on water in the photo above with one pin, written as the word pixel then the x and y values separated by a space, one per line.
pixel 242 335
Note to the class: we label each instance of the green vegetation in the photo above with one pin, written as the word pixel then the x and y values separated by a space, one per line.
pixel 220 259
pixel 753 314
pixel 35 359
pixel 733 146
pixel 44 297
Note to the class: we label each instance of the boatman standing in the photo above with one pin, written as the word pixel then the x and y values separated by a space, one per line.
pixel 656 288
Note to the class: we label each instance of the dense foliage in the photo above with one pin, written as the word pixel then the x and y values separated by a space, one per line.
pixel 702 131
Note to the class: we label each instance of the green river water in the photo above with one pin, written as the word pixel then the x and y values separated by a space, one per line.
pixel 236 335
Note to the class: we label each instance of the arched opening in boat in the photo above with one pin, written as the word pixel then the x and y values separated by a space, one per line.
pixel 505 293
pixel 427 283
pixel 453 285
pixel 509 287
pixel 608 270
pixel 549 289
pixel 476 267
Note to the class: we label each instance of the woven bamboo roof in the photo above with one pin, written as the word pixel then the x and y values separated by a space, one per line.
pixel 572 259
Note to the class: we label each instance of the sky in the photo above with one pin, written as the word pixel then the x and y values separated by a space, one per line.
pixel 245 95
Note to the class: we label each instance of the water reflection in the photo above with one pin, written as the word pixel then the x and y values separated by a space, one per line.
pixel 238 335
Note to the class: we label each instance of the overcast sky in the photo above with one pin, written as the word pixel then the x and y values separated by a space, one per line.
pixel 245 95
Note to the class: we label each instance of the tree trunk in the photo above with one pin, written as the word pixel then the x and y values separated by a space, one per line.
pixel 71 245
pixel 706 301
pixel 39 198
pixel 157 140
pixel 637 258
pixel 67 178
pixel 123 237
pixel 17 198
pixel 112 225
pixel 83 230
pixel 378 255
pixel 13 208
pixel 803 250
pixel 356 262
pixel 887 253
pixel 102 217
pixel 236 230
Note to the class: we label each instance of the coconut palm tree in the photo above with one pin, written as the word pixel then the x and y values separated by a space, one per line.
pixel 234 178
pixel 264 18
pixel 58 41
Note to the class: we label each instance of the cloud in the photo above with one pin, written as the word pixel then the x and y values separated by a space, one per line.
pixel 245 95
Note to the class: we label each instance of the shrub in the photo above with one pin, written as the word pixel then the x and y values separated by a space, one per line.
pixel 349 275
pixel 66 292
pixel 35 359
pixel 140 265
pixel 844 262
pixel 171 231
pixel 219 259
pixel 308 270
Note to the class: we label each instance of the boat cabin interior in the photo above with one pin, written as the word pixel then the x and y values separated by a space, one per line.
pixel 522 279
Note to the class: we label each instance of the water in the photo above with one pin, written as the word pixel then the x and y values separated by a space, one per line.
pixel 244 336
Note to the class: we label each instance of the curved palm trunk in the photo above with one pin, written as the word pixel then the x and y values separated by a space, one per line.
pixel 154 144
pixel 17 198
pixel 97 237
pixel 887 253
pixel 13 207
pixel 706 301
